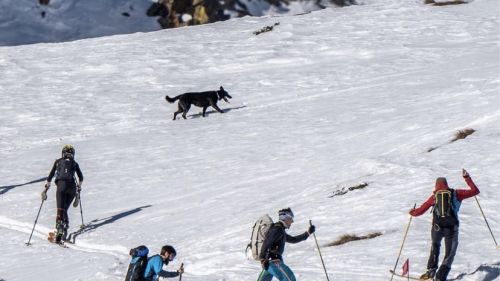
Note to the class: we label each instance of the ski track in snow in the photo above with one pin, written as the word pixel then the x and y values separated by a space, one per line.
pixel 41 232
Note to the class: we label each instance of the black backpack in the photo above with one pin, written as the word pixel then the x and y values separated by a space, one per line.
pixel 446 207
pixel 138 263
pixel 66 169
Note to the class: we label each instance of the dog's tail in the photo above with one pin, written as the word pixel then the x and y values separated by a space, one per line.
pixel 171 100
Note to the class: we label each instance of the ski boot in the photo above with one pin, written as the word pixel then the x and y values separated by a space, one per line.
pixel 65 232
pixel 442 273
pixel 61 232
pixel 429 275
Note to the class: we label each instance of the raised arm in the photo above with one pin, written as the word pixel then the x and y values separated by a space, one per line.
pixel 467 193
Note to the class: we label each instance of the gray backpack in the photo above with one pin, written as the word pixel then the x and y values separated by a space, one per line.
pixel 259 232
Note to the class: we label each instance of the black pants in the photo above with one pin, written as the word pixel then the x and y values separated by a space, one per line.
pixel 66 192
pixel 450 235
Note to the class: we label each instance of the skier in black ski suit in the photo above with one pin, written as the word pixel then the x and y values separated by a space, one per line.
pixel 64 170
pixel 274 244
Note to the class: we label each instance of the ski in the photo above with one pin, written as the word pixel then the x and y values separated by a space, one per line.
pixel 406 277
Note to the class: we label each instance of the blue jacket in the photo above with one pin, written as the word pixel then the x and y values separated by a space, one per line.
pixel 154 269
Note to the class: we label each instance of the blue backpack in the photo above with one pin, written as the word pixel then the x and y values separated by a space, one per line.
pixel 137 264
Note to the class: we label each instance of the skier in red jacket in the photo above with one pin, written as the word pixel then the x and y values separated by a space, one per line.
pixel 446 204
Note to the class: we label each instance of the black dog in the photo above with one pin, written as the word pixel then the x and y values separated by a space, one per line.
pixel 201 99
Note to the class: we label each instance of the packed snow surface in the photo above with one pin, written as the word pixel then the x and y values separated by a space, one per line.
pixel 326 100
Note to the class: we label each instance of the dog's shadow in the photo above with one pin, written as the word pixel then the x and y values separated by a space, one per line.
pixel 225 110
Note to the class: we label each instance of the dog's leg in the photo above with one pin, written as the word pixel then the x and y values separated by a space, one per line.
pixel 186 109
pixel 204 110
pixel 214 105
pixel 179 110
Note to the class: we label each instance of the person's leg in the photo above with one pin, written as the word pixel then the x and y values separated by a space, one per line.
pixel 60 194
pixel 432 263
pixel 61 213
pixel 281 271
pixel 265 276
pixel 68 197
pixel 287 272
pixel 451 245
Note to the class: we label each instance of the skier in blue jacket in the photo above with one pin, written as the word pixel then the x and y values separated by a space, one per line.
pixel 154 267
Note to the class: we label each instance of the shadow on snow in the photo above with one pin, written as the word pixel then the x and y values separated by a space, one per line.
pixel 7 188
pixel 100 222
pixel 492 272
pixel 198 115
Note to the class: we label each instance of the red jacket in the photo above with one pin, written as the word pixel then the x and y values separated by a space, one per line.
pixel 442 184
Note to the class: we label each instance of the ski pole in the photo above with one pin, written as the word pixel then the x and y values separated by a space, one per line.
pixel 79 197
pixel 402 244
pixel 182 267
pixel 487 224
pixel 319 251
pixel 36 220
pixel 81 211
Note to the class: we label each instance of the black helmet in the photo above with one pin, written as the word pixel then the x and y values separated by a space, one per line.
pixel 169 249
pixel 68 151
pixel 169 254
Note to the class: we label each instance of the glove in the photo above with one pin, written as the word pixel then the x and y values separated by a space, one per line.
pixel 47 184
pixel 465 174
pixel 311 229
pixel 412 213
pixel 44 194
pixel 265 264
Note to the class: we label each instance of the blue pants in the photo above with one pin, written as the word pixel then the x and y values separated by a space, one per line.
pixel 279 270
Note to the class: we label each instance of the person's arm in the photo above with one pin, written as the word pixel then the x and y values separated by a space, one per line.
pixel 422 209
pixel 296 239
pixel 167 274
pixel 156 266
pixel 52 173
pixel 80 176
pixel 271 237
pixel 78 172
pixel 467 193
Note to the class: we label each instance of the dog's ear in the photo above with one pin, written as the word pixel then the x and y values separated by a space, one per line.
pixel 222 89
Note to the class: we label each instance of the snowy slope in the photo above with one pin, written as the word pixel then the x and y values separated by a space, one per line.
pixel 326 100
